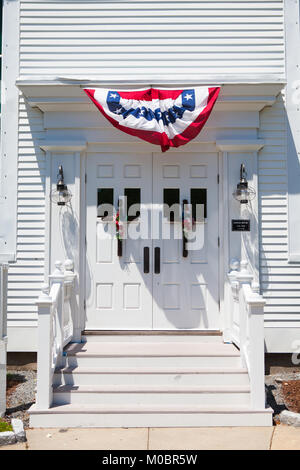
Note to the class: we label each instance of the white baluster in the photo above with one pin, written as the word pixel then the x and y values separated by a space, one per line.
pixel 69 272
pixel 255 287
pixel 58 278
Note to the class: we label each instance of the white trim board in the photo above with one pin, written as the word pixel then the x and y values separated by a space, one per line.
pixel 240 145
pixel 63 146
pixel 283 339
pixel 22 338
pixel 9 131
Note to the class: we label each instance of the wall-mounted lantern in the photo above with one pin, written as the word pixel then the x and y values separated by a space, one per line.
pixel 61 195
pixel 243 193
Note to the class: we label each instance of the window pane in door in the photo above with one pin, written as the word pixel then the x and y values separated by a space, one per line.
pixel 133 203
pixel 199 203
pixel 105 203
pixel 172 211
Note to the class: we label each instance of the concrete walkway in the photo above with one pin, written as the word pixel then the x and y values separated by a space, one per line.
pixel 271 438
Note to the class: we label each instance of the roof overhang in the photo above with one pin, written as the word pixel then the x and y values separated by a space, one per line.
pixel 61 94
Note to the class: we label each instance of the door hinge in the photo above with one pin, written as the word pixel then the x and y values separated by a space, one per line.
pixel 85 178
pixel 218 179
pixel 84 305
pixel 218 241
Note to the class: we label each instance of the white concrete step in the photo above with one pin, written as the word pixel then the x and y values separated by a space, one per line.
pixel 148 416
pixel 150 376
pixel 152 395
pixel 160 354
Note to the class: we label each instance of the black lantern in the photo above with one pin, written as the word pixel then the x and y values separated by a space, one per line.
pixel 61 195
pixel 243 192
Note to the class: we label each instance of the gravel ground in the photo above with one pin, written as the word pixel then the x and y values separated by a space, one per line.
pixel 21 396
pixel 274 394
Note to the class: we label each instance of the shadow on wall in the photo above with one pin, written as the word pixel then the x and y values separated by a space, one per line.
pixel 274 161
pixel 69 230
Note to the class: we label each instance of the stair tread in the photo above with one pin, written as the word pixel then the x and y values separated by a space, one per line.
pixel 150 370
pixel 151 388
pixel 86 409
pixel 125 349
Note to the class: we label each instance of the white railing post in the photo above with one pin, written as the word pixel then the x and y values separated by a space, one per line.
pixel 256 305
pixel 244 277
pixel 3 335
pixel 251 330
pixel 55 328
pixel 45 345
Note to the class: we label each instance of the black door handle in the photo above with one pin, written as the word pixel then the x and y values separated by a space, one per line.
pixel 184 240
pixel 157 260
pixel 120 247
pixel 146 260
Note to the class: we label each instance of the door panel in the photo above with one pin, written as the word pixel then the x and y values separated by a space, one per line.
pixel 185 292
pixel 118 292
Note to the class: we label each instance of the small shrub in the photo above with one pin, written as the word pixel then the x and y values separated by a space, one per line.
pixel 4 426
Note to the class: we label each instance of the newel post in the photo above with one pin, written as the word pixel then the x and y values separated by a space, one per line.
pixel 256 305
pixel 44 358
pixel 243 277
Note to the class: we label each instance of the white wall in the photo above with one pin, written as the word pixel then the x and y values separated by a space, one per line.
pixel 27 275
pixel 152 39
pixel 280 280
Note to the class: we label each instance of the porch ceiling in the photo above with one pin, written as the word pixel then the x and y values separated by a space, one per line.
pixel 67 95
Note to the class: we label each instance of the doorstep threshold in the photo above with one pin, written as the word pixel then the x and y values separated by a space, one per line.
pixel 152 332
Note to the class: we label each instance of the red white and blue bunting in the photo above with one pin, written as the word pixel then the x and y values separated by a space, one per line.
pixel 165 117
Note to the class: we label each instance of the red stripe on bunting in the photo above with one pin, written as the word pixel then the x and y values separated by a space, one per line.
pixel 194 129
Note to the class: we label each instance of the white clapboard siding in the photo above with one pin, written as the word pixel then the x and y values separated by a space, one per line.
pixel 280 280
pixel 143 39
pixel 26 276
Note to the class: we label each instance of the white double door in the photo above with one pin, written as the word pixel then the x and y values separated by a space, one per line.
pixel 150 284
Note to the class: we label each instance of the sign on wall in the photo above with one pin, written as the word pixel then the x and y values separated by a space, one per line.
pixel 240 225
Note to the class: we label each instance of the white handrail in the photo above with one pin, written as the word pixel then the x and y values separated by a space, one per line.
pixel 55 328
pixel 250 306
pixel 3 335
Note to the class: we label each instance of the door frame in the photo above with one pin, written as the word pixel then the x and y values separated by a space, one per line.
pixel 223 207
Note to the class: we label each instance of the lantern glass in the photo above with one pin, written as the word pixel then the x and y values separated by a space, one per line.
pixel 61 197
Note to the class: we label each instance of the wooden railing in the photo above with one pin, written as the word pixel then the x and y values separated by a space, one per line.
pixel 55 327
pixel 3 335
pixel 248 333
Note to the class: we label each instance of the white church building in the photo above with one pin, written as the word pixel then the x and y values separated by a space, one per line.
pixel 135 324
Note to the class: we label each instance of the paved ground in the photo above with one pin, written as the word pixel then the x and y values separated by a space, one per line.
pixel 271 438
